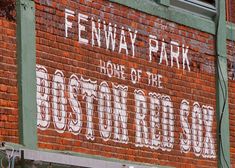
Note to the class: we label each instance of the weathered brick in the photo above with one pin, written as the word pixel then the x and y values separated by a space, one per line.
pixel 54 51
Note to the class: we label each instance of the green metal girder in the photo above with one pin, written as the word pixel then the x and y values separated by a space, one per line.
pixel 164 11
pixel 222 90
pixel 164 2
pixel 26 63
pixel 96 157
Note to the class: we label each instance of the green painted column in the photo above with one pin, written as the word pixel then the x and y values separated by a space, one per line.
pixel 222 90
pixel 26 63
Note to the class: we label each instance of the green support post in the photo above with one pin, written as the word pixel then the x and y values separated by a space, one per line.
pixel 222 90
pixel 26 63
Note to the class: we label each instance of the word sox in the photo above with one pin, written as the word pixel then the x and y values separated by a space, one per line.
pixel 154 116
pixel 108 36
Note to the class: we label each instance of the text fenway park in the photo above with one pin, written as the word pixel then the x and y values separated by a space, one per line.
pixel 154 112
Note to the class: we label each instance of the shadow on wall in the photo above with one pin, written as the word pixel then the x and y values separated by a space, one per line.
pixel 7 9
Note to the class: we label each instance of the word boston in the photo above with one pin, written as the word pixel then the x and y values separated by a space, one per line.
pixel 59 100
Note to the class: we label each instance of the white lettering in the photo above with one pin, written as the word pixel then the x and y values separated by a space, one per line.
pixel 109 69
pixel 154 80
pixel 120 113
pixel 185 57
pixel 167 124
pixel 95 33
pixel 141 136
pixel 135 75
pixel 59 101
pixel 74 125
pixel 163 53
pixel 43 116
pixel 133 38
pixel 185 137
pixel 123 44
pixel 197 134
pixel 209 148
pixel 104 111
pixel 155 120
pixel 68 24
pixel 81 28
pixel 89 88
pixel 112 70
pixel 110 35
pixel 152 48
pixel 175 54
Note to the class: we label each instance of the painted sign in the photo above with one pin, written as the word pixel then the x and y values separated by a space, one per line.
pixel 154 112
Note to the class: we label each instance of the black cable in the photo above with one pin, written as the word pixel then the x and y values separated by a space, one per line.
pixel 222 114
pixel 224 93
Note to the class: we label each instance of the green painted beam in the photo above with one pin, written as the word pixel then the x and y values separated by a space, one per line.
pixel 231 31
pixel 170 13
pixel 164 2
pixel 56 155
pixel 26 63
pixel 222 90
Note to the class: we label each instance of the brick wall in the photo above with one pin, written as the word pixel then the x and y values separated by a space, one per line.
pixel 62 59
pixel 8 82
pixel 230 10
pixel 231 91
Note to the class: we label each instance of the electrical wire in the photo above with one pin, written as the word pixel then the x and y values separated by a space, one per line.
pixel 224 93
pixel 10 158
pixel 13 162
pixel 4 157
pixel 222 114
pixel 12 151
